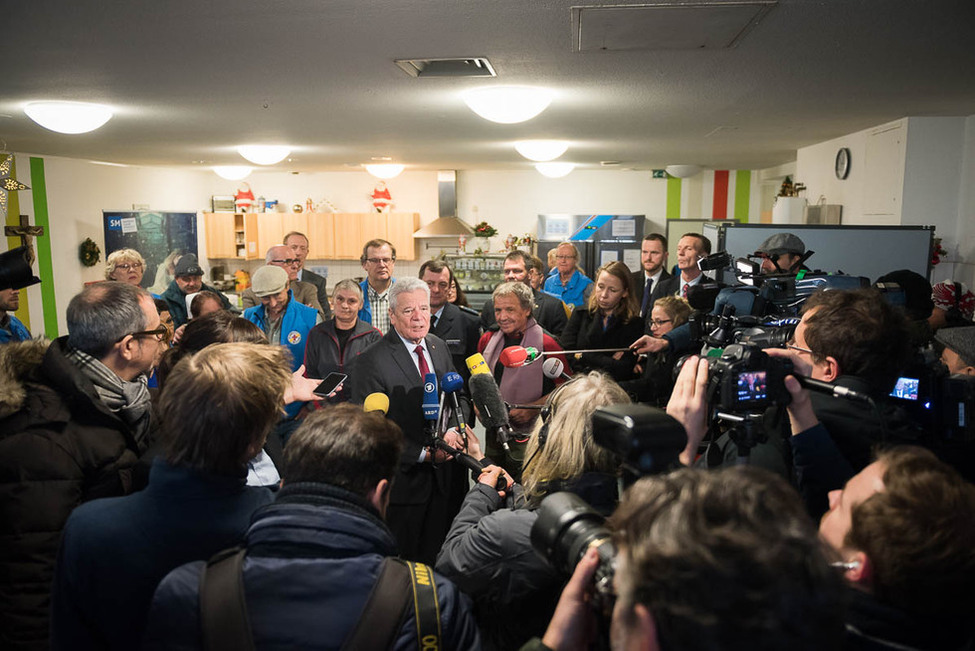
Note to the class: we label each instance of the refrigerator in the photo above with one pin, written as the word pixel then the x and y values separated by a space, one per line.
pixel 599 238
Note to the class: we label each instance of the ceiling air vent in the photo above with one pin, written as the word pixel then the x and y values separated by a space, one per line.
pixel 461 67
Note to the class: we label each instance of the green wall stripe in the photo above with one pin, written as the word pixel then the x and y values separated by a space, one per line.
pixel 673 197
pixel 743 191
pixel 45 266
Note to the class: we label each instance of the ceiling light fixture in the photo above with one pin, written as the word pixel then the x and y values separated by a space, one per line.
pixel 541 150
pixel 555 170
pixel 264 154
pixel 385 170
pixel 683 171
pixel 508 104
pixel 68 117
pixel 232 172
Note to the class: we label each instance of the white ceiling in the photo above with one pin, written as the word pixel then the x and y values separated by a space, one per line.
pixel 191 79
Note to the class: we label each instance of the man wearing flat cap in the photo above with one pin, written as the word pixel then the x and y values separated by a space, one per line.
pixel 959 352
pixel 188 279
pixel 781 253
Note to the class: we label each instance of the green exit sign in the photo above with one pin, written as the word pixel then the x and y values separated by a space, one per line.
pixel 659 174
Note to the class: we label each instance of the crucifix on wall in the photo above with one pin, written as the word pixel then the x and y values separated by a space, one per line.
pixel 26 233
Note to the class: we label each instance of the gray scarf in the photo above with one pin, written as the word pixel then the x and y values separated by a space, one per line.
pixel 129 400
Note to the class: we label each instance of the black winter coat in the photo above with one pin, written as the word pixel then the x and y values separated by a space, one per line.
pixel 585 330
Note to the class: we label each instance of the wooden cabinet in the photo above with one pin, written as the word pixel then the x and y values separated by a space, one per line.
pixel 331 236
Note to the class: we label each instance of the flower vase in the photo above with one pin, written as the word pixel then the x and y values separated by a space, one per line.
pixel 484 244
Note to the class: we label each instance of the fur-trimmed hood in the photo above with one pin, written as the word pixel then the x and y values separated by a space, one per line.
pixel 16 361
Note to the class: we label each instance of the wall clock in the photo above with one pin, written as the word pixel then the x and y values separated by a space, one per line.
pixel 843 163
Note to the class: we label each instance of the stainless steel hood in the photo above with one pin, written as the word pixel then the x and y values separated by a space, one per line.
pixel 447 224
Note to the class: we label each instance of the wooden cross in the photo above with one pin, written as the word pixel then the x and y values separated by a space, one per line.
pixel 26 233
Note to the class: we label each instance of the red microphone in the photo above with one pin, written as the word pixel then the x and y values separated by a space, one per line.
pixel 514 356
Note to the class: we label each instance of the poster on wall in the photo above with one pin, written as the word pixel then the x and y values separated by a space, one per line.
pixel 156 235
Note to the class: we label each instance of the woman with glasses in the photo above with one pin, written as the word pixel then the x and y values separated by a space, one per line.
pixel 125 266
pixel 657 381
pixel 610 320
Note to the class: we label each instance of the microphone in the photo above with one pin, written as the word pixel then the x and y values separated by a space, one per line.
pixel 376 402
pixel 431 400
pixel 452 383
pixel 468 462
pixel 487 399
pixel 476 364
pixel 516 356
pixel 831 389
pixel 553 368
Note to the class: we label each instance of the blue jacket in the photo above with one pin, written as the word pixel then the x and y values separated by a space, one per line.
pixel 313 557
pixel 365 312
pixel 116 550
pixel 574 292
pixel 18 331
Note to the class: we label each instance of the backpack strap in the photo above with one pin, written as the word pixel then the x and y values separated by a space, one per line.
pixel 382 615
pixel 223 608
pixel 427 606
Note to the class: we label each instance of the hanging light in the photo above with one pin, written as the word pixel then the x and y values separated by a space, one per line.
pixel 541 150
pixel 385 170
pixel 555 170
pixel 232 172
pixel 68 117
pixel 264 154
pixel 508 104
pixel 683 171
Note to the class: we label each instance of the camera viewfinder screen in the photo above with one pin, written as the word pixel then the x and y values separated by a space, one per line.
pixel 906 388
pixel 751 386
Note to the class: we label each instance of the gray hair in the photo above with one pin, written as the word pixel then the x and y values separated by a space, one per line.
pixel 405 286
pixel 102 314
pixel 116 258
pixel 519 290
pixel 348 285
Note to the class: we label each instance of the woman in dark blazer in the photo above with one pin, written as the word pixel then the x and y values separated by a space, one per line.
pixel 610 320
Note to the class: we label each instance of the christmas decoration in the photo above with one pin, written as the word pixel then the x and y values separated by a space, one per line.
pixel 937 251
pixel 7 185
pixel 89 253
pixel 382 201
pixel 244 199
pixel 485 229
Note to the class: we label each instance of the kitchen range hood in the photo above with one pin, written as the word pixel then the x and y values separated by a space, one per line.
pixel 447 224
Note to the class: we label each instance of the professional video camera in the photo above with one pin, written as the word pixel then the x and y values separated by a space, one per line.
pixel 649 441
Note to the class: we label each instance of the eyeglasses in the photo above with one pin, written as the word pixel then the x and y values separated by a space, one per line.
pixel 126 267
pixel 656 323
pixel 798 348
pixel 385 261
pixel 160 333
pixel 286 263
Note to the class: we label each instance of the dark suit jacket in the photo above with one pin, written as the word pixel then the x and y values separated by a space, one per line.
pixel 640 281
pixel 461 331
pixel 319 283
pixel 387 367
pixel 549 312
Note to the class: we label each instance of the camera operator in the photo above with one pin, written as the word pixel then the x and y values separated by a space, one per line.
pixel 708 561
pixel 488 552
pixel 905 529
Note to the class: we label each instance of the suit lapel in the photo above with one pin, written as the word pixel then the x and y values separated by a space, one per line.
pixel 402 357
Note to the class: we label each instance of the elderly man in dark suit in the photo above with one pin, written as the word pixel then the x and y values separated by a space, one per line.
pixel 461 330
pixel 421 506
pixel 653 270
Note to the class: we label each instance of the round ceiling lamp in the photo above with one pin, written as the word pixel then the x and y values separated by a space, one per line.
pixel 555 170
pixel 508 104
pixel 541 150
pixel 385 170
pixel 232 172
pixel 683 171
pixel 264 154
pixel 68 117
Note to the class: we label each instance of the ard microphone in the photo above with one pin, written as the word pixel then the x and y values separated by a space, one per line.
pixel 452 383
pixel 487 399
pixel 553 368
pixel 376 402
pixel 477 365
pixel 431 399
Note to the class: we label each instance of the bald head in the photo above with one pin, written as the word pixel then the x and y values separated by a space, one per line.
pixel 282 256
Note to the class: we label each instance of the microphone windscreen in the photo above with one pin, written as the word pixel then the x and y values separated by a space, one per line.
pixel 431 397
pixel 476 364
pixel 452 382
pixel 376 402
pixel 487 399
pixel 552 368
pixel 513 356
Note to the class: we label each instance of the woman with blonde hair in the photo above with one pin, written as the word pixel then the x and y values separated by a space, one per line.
pixel 611 319
pixel 488 551
pixel 125 266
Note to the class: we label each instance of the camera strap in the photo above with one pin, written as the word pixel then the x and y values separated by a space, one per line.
pixel 225 625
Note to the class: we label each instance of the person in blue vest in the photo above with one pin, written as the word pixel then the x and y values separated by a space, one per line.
pixel 11 328
pixel 569 284
pixel 284 321
pixel 378 260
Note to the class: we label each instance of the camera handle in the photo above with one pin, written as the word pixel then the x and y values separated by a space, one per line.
pixel 746 431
